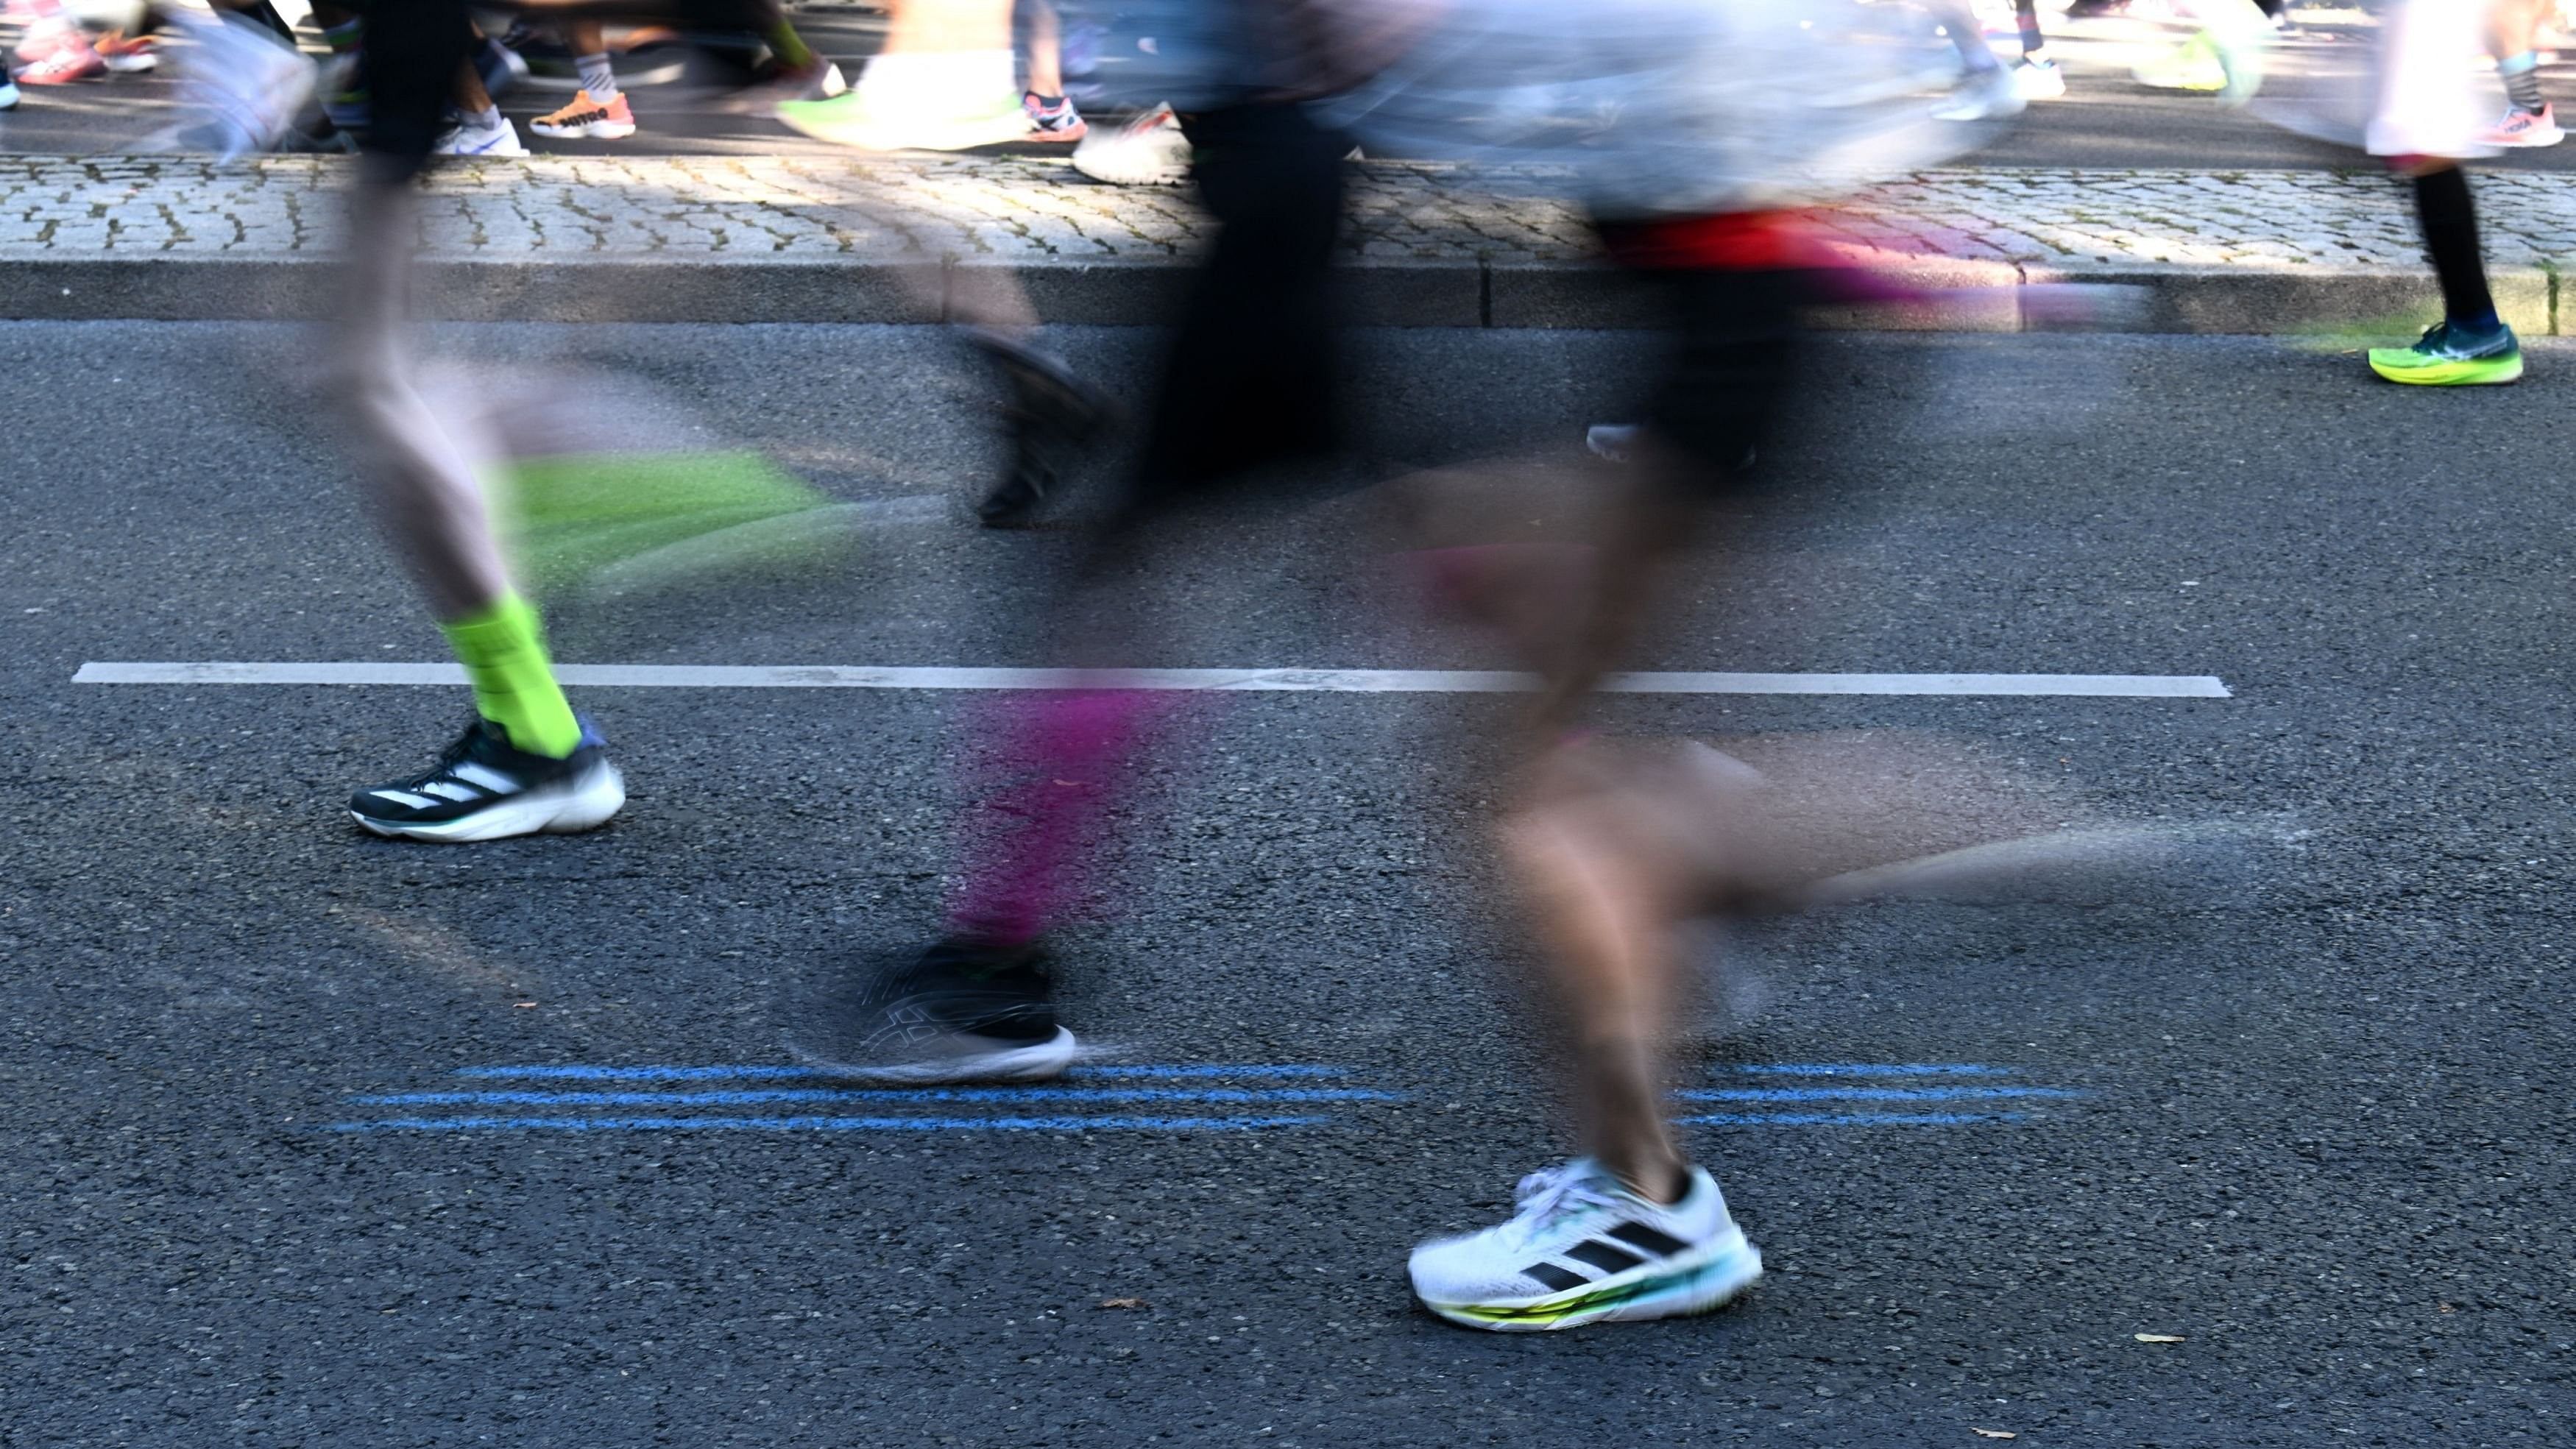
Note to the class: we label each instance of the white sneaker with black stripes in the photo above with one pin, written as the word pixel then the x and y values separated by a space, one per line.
pixel 485 788
pixel 1583 1248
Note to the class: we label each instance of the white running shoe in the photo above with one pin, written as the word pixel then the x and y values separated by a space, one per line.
pixel 2039 80
pixel 8 93
pixel 1147 151
pixel 240 88
pixel 467 139
pixel 1987 94
pixel 1582 1248
pixel 1612 441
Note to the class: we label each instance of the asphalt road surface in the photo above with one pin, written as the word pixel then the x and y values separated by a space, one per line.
pixel 2106 118
pixel 2296 1098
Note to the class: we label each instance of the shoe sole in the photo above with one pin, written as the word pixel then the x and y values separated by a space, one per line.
pixel 2529 140
pixel 2451 374
pixel 593 131
pixel 1042 1062
pixel 1701 1282
pixel 586 804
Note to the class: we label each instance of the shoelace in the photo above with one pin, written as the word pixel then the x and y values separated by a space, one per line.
pixel 448 758
pixel 1552 1193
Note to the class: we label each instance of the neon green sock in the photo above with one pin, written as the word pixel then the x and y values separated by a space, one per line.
pixel 503 650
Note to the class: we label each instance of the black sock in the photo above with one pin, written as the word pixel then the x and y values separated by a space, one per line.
pixel 2450 222
pixel 2032 42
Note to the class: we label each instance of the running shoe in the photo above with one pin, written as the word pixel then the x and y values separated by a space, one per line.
pixel 240 87
pixel 854 118
pixel 1987 94
pixel 466 139
pixel 126 54
pixel 1581 1248
pixel 2448 356
pixel 2193 65
pixel 8 94
pixel 1051 416
pixel 963 1011
pixel 582 117
pixel 1612 441
pixel 2526 128
pixel 1148 150
pixel 1055 120
pixel 485 788
pixel 56 53
pixel 2039 80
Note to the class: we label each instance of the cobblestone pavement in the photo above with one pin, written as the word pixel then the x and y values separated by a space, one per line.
pixel 1033 211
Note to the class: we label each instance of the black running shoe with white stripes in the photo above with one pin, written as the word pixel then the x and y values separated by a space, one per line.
pixel 962 1011
pixel 485 788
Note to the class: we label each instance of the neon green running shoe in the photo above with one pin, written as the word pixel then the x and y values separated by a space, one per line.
pixel 2194 65
pixel 2445 357
pixel 858 118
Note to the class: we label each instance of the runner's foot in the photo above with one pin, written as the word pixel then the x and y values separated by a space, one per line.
pixel 1146 151
pixel 466 138
pixel 584 118
pixel 1051 416
pixel 2526 128
pixel 126 54
pixel 962 1011
pixel 484 788
pixel 56 53
pixel 2448 355
pixel 1581 1248
pixel 2039 80
pixel 2193 65
pixel 1987 94
pixel 1053 118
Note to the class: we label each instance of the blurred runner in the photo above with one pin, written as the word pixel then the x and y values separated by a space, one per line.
pixel 54 50
pixel 1052 116
pixel 2514 39
pixel 944 82
pixel 1246 388
pixel 2424 122
pixel 2037 77
pixel 1729 116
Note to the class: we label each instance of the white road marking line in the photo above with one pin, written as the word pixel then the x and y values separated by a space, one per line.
pixel 1331 681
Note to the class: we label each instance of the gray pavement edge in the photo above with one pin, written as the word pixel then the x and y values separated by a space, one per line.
pixel 1964 296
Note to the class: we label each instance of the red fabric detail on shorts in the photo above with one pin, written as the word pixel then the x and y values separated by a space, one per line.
pixel 1735 241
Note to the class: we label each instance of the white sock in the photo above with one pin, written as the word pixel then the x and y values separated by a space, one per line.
pixel 596 77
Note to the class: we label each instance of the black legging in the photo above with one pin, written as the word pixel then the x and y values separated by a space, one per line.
pixel 1249 379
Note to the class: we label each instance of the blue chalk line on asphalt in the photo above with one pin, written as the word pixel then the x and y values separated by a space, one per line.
pixel 651 1073
pixel 680 1117
pixel 922 1095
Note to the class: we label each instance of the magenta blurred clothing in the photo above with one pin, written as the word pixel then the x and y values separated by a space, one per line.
pixel 1057 765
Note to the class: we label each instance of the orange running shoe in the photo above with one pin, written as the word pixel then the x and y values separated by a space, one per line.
pixel 126 54
pixel 582 117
